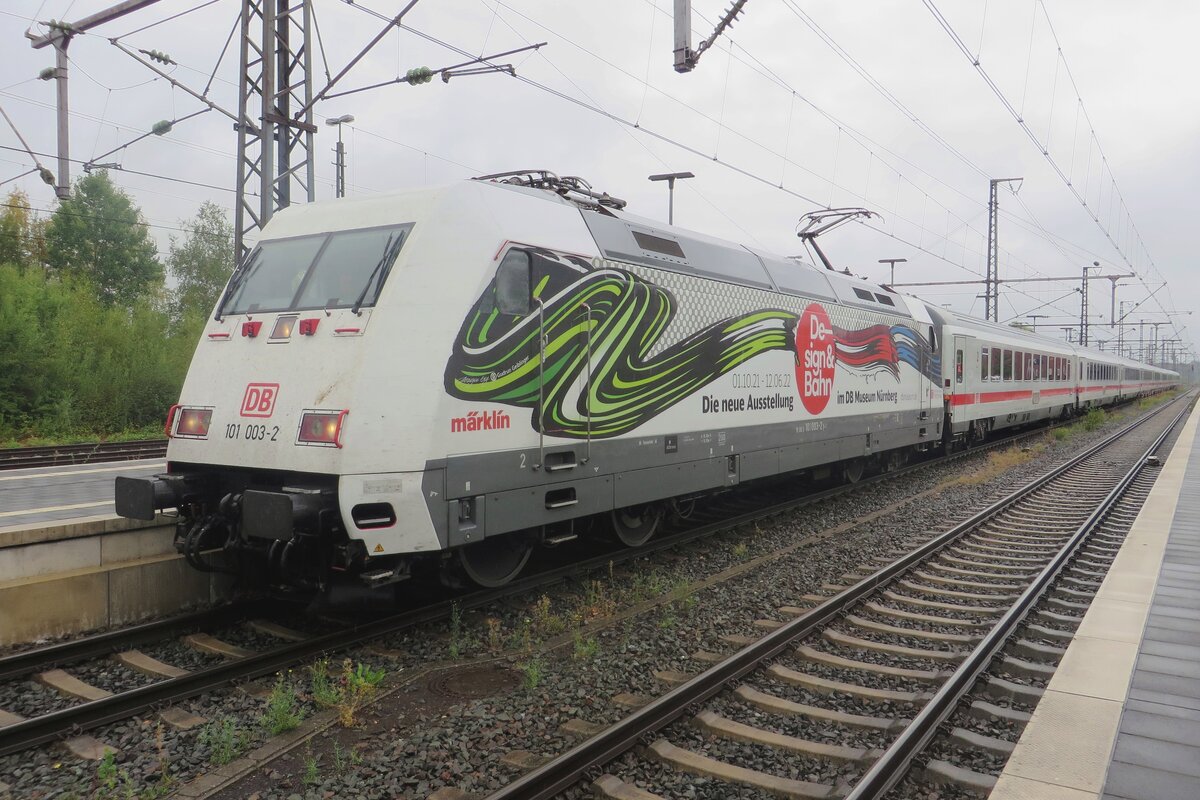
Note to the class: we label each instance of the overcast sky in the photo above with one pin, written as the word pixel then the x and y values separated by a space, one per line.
pixel 803 104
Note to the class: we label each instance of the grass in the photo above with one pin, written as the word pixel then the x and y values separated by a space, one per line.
pixel 224 739
pixel 586 647
pixel 532 671
pixel 1094 419
pixel 312 773
pixel 999 462
pixel 344 759
pixel 131 435
pixel 349 692
pixel 283 712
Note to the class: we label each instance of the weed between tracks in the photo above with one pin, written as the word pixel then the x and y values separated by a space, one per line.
pixel 283 712
pixel 999 462
pixel 348 692
pixel 224 739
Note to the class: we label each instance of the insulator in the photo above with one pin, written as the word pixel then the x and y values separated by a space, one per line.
pixel 161 127
pixel 48 74
pixel 419 75
pixel 157 55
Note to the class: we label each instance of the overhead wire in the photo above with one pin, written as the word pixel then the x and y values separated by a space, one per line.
pixel 595 108
pixel 1043 147
pixel 769 74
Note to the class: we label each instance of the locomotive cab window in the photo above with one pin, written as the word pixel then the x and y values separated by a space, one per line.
pixel 346 269
pixel 514 283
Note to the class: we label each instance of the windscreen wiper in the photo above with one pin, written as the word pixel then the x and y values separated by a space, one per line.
pixel 390 248
pixel 235 282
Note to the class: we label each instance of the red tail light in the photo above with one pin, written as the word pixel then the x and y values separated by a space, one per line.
pixel 321 428
pixel 193 423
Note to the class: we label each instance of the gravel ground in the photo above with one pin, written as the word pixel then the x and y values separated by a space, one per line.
pixel 180 655
pixel 463 748
pixel 108 675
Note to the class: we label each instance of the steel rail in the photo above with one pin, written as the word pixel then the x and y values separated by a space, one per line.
pixel 27 662
pixel 565 770
pixel 88 453
pixel 46 728
pixel 892 766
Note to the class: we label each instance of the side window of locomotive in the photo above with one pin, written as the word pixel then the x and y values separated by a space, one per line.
pixel 1008 367
pixel 352 268
pixel 514 284
pixel 958 366
pixel 269 278
pixel 984 369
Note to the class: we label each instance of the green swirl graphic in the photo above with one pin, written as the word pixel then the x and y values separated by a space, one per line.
pixel 618 384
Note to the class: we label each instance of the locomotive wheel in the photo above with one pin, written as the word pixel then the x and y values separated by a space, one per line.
pixel 496 561
pixel 633 526
pixel 853 471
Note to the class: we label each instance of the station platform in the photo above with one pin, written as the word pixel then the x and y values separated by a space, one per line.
pixel 1120 719
pixel 69 564
pixel 38 495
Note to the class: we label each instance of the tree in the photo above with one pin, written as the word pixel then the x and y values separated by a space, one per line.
pixel 22 236
pixel 202 262
pixel 99 234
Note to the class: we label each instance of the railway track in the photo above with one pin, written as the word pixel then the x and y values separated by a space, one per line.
pixel 169 684
pixel 90 453
pixel 985 607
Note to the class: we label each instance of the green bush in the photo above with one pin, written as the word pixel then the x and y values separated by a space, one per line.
pixel 71 366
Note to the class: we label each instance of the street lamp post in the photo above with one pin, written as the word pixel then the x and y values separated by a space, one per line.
pixel 340 153
pixel 670 178
pixel 892 262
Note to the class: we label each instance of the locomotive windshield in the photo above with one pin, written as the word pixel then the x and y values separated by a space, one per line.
pixel 329 270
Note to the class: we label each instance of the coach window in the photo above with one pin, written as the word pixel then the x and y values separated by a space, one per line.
pixel 996 359
pixel 984 369
pixel 958 366
pixel 1007 374
pixel 1029 366
pixel 1018 360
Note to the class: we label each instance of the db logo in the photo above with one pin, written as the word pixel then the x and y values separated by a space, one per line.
pixel 259 400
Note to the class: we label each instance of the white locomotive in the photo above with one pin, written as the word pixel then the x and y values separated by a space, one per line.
pixel 456 375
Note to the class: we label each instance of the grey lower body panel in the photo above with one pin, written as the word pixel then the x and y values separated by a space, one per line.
pixel 488 494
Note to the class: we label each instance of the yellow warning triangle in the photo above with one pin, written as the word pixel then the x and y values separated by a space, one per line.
pixel 378 548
